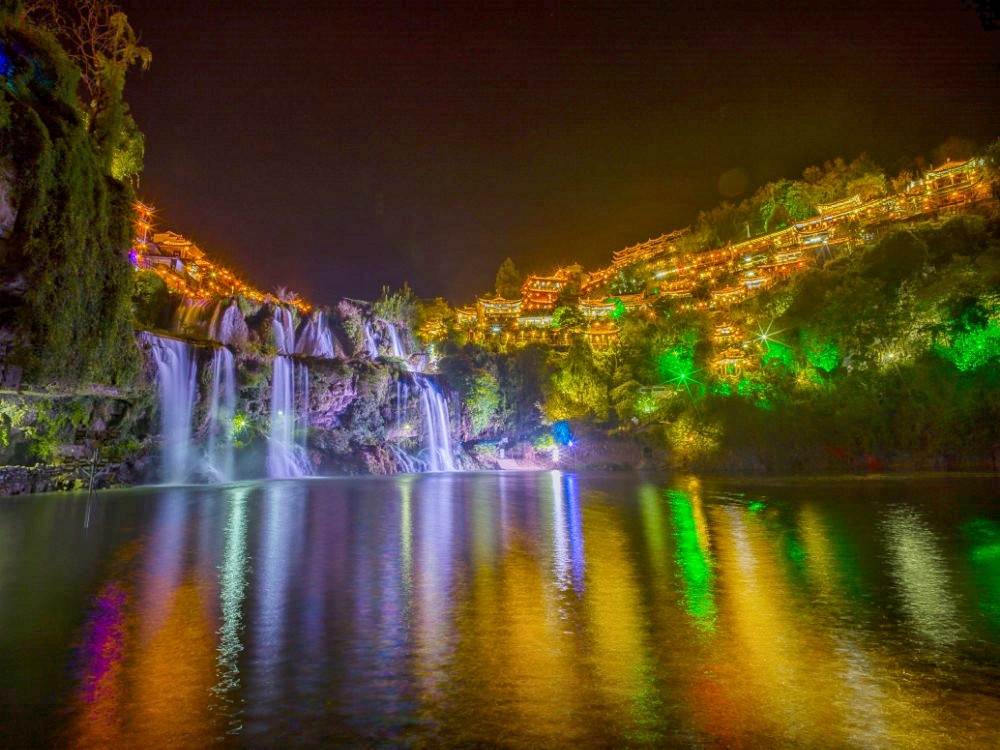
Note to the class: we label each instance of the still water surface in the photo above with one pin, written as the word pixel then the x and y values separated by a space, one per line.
pixel 514 610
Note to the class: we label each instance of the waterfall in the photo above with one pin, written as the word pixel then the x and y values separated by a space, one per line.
pixel 282 459
pixel 315 339
pixel 437 423
pixel 286 457
pixel 397 344
pixel 284 330
pixel 175 374
pixel 370 341
pixel 437 432
pixel 219 452
pixel 226 325
pixel 190 318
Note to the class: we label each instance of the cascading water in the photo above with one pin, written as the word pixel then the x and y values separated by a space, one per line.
pixel 219 453
pixel 284 330
pixel 282 459
pixel 316 339
pixel 370 343
pixel 227 324
pixel 191 318
pixel 437 434
pixel 176 373
pixel 285 458
pixel 398 350
pixel 437 423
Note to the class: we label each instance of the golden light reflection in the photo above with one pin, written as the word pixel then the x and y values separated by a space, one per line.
pixel 770 671
pixel 616 618
pixel 173 675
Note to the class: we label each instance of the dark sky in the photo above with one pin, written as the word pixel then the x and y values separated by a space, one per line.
pixel 333 148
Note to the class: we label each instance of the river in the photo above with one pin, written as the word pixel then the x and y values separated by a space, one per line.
pixel 505 609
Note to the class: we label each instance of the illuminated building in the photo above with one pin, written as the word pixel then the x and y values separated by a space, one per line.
pixel 185 268
pixel 730 362
pixel 766 243
pixel 677 290
pixel 433 330
pixel 596 279
pixel 728 295
pixel 496 309
pixel 724 332
pixel 541 292
pixel 597 308
pixel 955 184
pixel 647 251
pixel 601 333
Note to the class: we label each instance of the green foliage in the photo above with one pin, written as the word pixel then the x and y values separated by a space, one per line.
pixel 576 388
pixel 150 300
pixel 895 258
pixel 631 280
pixel 619 310
pixel 567 318
pixel 785 202
pixel 823 354
pixel 508 280
pixel 128 155
pixel 72 233
pixel 397 307
pixel 691 439
pixel 777 354
pixel 974 336
pixel 436 309
pixel 484 401
pixel 43 424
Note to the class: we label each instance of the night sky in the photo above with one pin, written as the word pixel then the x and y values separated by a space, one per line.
pixel 335 148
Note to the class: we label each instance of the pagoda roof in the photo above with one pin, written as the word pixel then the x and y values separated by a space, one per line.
pixel 839 206
pixel 949 167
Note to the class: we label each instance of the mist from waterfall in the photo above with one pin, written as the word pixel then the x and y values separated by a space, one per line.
pixel 176 373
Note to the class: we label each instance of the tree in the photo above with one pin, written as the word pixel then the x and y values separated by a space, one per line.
pixel 631 280
pixel 97 36
pixel 567 317
pixel 508 280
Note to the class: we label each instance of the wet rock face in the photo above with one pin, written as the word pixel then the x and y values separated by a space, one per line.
pixel 332 390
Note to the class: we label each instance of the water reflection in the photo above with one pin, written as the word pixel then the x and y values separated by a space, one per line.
pixel 520 610
pixel 921 577
pixel 693 558
pixel 232 585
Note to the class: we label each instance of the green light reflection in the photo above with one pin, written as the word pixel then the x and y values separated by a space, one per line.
pixel 693 562
pixel 983 537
